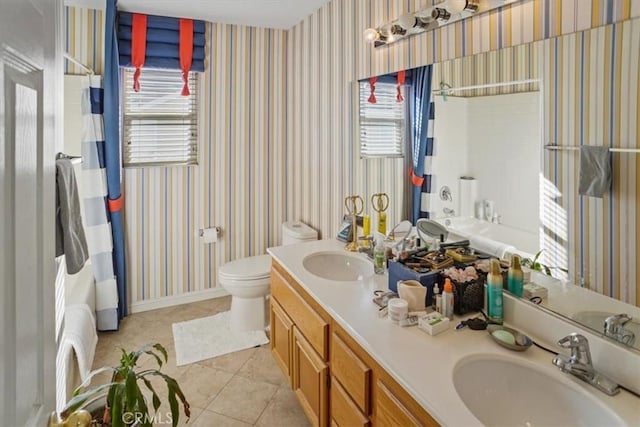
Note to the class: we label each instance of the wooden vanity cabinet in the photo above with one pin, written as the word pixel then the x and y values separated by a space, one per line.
pixel 300 344
pixel 336 381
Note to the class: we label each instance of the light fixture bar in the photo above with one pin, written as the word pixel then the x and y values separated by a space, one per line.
pixel 443 13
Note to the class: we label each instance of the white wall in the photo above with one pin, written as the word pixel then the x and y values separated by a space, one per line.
pixel 450 160
pixel 504 142
pixel 497 140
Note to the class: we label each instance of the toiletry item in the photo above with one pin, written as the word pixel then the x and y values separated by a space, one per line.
pixel 344 232
pixel 439 303
pixel 532 290
pixel 409 321
pixel 494 293
pixel 414 293
pixel 436 294
pixel 504 336
pixel 433 323
pixel 509 338
pixel 382 223
pixel 447 299
pixel 379 257
pixel 398 309
pixel 488 209
pixel 366 229
pixel 480 210
pixel 515 277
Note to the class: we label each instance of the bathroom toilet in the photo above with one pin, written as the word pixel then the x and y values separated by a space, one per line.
pixel 247 281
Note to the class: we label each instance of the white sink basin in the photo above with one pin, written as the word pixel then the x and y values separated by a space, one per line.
pixel 504 391
pixel 338 266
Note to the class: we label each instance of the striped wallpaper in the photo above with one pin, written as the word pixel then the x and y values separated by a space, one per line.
pixel 84 38
pixel 238 183
pixel 280 130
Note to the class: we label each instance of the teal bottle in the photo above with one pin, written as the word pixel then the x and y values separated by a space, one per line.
pixel 494 293
pixel 515 277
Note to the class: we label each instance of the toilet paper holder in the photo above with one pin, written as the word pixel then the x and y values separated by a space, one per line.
pixel 209 235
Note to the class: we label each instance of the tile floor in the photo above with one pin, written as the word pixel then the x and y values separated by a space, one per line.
pixel 238 389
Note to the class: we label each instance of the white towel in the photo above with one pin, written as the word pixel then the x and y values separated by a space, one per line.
pixel 79 336
pixel 490 247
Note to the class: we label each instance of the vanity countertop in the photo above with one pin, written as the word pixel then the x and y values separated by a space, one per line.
pixel 421 363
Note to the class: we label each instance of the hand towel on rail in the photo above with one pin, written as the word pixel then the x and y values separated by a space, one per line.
pixel 70 237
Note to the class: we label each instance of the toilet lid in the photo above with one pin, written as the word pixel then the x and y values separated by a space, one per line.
pixel 255 267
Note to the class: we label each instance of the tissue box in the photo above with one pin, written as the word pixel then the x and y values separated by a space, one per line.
pixel 433 323
pixel 399 271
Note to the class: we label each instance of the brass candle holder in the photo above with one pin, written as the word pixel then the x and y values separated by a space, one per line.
pixel 380 203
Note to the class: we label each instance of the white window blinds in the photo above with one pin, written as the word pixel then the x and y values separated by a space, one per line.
pixel 383 124
pixel 160 126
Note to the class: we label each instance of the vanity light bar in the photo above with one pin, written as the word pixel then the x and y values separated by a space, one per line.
pixel 443 13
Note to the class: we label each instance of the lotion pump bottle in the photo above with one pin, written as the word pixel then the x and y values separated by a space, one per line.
pixel 515 277
pixel 434 299
pixel 494 293
pixel 447 299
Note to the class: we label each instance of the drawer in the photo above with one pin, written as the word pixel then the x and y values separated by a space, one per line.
pixel 351 372
pixel 313 327
pixel 344 412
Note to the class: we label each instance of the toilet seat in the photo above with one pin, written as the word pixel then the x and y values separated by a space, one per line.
pixel 250 269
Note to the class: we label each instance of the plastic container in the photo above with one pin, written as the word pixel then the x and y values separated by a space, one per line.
pixel 433 323
pixel 436 292
pixel 398 309
pixel 447 299
pixel 494 293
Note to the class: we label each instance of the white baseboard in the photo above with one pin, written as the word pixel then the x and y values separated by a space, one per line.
pixel 153 304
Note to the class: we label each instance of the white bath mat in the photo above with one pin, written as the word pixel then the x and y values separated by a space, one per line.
pixel 209 337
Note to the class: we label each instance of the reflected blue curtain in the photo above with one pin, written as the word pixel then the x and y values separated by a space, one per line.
pixel 112 151
pixel 422 144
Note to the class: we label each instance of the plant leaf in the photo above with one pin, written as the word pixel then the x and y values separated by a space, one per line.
pixel 173 403
pixel 90 376
pixel 117 406
pixel 143 409
pixel 155 398
pixel 162 350
pixel 156 356
pixel 172 386
pixel 78 400
pixel 131 390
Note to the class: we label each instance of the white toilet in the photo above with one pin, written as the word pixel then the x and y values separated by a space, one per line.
pixel 247 280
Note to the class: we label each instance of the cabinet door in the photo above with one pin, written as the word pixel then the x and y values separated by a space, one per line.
pixel 351 371
pixel 281 338
pixel 344 412
pixel 310 377
pixel 389 410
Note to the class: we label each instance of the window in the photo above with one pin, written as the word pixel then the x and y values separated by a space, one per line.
pixel 160 126
pixel 383 124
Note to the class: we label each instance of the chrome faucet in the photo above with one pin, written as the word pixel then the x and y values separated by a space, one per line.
pixel 614 327
pixel 367 249
pixel 579 364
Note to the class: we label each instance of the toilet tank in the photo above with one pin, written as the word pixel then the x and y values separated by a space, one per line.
pixel 296 232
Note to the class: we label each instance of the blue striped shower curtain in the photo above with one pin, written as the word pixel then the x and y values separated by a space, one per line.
pixel 422 116
pixel 94 188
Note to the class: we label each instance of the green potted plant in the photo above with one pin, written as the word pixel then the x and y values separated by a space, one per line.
pixel 121 401
pixel 534 264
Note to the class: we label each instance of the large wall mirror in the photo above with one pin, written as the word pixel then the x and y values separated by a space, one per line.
pixel 578 89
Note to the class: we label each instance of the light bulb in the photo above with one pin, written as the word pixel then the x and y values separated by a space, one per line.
pixel 371 35
pixel 455 6
pixel 407 21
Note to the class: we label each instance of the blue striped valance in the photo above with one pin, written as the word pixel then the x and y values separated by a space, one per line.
pixel 163 42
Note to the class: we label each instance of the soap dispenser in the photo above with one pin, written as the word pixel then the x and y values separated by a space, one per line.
pixel 494 293
pixel 515 277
